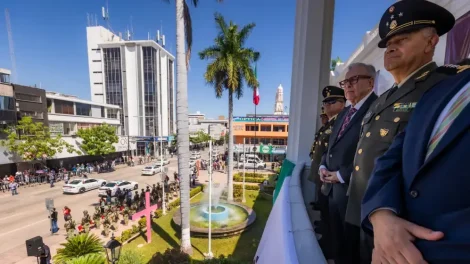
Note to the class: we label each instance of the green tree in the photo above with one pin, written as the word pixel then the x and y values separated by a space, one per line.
pixel 184 34
pixel 229 68
pixel 78 246
pixel 32 141
pixel 98 140
pixel 334 63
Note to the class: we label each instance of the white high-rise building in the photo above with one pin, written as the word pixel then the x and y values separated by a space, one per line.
pixel 279 104
pixel 137 75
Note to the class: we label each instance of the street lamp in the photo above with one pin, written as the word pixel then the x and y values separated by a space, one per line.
pixel 113 250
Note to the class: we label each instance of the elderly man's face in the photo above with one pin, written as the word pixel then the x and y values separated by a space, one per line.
pixel 402 50
pixel 357 84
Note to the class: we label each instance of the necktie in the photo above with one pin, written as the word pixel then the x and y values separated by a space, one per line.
pixel 351 112
pixel 392 90
pixel 454 111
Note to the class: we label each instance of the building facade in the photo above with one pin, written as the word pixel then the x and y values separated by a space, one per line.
pixel 216 128
pixel 137 76
pixel 31 101
pixel 7 101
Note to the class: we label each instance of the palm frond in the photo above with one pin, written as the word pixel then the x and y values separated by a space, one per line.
pixel 245 32
pixel 77 246
pixel 212 52
pixel 88 259
pixel 221 24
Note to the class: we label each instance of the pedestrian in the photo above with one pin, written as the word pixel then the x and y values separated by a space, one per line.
pixel 67 213
pixel 44 254
pixel 53 217
pixel 51 179
pixel 13 187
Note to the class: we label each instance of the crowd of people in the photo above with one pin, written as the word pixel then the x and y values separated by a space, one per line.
pixel 389 170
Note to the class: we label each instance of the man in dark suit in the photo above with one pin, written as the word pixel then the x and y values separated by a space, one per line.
pixel 333 104
pixel 408 57
pixel 417 198
pixel 337 161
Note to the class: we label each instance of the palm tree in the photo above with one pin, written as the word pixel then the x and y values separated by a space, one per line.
pixel 89 259
pixel 78 246
pixel 184 33
pixel 229 68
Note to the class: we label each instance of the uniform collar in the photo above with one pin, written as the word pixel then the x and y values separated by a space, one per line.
pixel 333 117
pixel 413 73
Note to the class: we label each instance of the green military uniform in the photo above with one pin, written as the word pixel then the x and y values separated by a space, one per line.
pixel 319 146
pixel 390 113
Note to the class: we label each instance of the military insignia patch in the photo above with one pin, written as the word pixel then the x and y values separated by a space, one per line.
pixel 422 75
pixel 393 24
pixel 404 107
pixel 383 132
pixel 391 9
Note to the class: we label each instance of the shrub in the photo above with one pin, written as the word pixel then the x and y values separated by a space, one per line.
pixel 253 175
pixel 129 256
pixel 142 223
pixel 247 187
pixel 248 179
pixel 78 246
pixel 135 229
pixel 126 235
pixel 173 255
pixel 89 259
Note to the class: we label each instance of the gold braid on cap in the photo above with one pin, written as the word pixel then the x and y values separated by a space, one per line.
pixel 416 22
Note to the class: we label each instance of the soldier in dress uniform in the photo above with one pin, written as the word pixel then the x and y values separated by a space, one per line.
pixel 333 104
pixel 409 32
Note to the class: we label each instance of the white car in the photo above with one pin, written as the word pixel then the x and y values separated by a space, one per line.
pixel 165 162
pixel 129 185
pixel 251 164
pixel 197 155
pixel 151 170
pixel 82 185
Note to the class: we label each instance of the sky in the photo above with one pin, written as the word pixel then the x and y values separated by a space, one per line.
pixel 50 41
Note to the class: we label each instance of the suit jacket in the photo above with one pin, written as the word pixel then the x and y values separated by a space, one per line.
pixel 433 193
pixel 340 153
pixel 318 148
pixel 384 120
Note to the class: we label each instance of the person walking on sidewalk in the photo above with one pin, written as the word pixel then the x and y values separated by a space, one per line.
pixel 14 188
pixel 53 217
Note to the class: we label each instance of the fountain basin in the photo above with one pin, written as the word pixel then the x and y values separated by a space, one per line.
pixel 219 213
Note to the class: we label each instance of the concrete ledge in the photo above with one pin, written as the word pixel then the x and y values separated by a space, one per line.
pixel 306 244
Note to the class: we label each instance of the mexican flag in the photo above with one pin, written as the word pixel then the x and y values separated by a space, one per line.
pixel 256 91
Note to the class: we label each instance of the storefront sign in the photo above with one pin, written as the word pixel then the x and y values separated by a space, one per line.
pixel 261 119
pixel 262 149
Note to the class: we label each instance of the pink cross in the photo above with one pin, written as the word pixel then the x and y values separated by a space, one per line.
pixel 147 213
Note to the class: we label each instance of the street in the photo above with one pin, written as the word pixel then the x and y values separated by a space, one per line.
pixel 25 216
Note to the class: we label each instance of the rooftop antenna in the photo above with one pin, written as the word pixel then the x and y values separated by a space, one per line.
pixel 132 28
pixel 11 44
pixel 87 19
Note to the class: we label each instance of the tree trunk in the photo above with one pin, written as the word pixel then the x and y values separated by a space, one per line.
pixel 182 127
pixel 230 147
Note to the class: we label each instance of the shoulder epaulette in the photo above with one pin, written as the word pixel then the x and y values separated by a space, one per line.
pixel 452 69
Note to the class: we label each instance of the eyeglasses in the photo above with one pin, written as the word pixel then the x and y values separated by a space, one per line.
pixel 330 102
pixel 353 80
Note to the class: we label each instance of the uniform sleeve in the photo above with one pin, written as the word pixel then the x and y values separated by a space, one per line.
pixel 385 184
pixel 346 172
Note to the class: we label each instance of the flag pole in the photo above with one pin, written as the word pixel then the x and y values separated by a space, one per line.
pixel 256 128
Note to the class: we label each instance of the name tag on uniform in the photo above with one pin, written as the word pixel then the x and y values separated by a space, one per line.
pixel 404 107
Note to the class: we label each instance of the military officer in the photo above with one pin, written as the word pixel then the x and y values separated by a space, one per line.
pixel 324 120
pixel 409 32
pixel 333 103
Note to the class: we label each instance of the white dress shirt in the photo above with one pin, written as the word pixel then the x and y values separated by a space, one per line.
pixel 357 107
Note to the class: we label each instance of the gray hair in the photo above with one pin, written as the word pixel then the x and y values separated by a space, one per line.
pixel 429 31
pixel 369 68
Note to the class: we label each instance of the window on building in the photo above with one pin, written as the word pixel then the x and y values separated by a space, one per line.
pixel 265 141
pixel 7 103
pixel 63 107
pixel 251 128
pixel 112 113
pixel 277 128
pixel 4 78
pixel 102 111
pixel 33 114
pixel 265 127
pixel 83 109
pixel 279 141
pixel 28 97
pixel 254 141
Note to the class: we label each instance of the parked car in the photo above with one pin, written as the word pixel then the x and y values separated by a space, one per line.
pixel 251 164
pixel 151 170
pixel 82 185
pixel 165 162
pixel 130 185
pixel 196 154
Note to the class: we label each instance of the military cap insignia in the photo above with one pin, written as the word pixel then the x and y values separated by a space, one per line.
pixel 391 9
pixel 327 94
pixel 383 132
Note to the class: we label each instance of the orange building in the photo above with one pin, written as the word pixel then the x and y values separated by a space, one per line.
pixel 270 129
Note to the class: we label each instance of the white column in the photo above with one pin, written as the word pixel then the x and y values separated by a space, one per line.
pixel 310 73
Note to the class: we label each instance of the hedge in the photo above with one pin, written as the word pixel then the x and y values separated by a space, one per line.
pixel 247 187
pixel 248 179
pixel 253 175
pixel 142 223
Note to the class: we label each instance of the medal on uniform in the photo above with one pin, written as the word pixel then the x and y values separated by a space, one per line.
pixel 383 132
pixel 404 107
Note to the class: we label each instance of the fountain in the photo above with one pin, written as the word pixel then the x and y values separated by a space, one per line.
pixel 228 218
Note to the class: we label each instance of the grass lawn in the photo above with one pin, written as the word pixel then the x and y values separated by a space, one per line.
pixel 242 247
